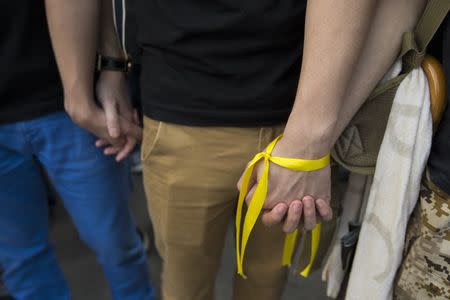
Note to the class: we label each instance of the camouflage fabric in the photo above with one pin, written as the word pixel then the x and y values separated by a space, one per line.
pixel 425 271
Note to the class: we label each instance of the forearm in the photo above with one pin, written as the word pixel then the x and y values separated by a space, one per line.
pixel 392 19
pixel 109 44
pixel 335 32
pixel 73 29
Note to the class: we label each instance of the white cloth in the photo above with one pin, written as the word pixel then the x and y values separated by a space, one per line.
pixel 333 272
pixel 400 165
pixel 352 210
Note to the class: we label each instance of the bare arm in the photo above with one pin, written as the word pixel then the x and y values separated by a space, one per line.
pixel 112 89
pixel 335 33
pixel 391 20
pixel 109 44
pixel 349 45
pixel 74 30
pixel 332 89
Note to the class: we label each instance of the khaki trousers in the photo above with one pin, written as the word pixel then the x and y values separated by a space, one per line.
pixel 190 176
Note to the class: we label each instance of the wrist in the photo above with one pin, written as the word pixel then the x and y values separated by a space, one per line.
pixel 77 101
pixel 112 76
pixel 313 144
pixel 110 46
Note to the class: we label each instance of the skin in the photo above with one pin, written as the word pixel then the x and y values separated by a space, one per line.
pixel 337 75
pixel 73 29
pixel 325 74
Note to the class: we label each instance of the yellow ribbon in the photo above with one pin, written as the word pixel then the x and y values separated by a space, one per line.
pixel 257 202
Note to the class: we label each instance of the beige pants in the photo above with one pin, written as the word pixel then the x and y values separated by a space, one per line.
pixel 190 176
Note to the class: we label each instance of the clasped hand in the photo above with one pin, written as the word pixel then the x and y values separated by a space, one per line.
pixel 115 123
pixel 293 198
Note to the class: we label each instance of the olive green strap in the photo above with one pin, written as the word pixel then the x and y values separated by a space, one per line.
pixel 415 43
pixel 429 23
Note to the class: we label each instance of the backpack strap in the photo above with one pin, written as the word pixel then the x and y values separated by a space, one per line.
pixel 432 17
pixel 415 43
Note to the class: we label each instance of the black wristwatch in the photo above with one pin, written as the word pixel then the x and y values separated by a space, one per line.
pixel 114 64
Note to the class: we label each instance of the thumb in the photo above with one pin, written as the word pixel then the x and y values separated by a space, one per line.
pixel 112 118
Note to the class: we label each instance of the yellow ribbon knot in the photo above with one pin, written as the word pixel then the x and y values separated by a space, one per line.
pixel 257 202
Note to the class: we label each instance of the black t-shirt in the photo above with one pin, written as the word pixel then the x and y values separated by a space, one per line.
pixel 29 81
pixel 439 161
pixel 220 62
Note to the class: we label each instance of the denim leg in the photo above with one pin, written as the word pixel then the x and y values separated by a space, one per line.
pixel 95 191
pixel 26 257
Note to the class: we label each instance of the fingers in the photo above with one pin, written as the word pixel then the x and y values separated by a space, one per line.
pixel 136 117
pixel 127 111
pixel 112 150
pixel 109 149
pixel 101 143
pixel 275 215
pixel 130 129
pixel 293 216
pixel 324 209
pixel 309 212
pixel 239 183
pixel 126 150
pixel 251 182
pixel 112 118
pixel 249 196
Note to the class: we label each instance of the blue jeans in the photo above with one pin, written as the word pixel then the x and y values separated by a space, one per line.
pixel 95 191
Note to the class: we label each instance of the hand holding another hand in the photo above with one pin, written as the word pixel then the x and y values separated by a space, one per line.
pixel 293 194
pixel 115 122
pixel 121 118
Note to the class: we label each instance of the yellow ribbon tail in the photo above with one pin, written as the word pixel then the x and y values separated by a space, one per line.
pixel 254 209
pixel 243 191
pixel 315 241
pixel 240 206
pixel 245 226
pixel 289 247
